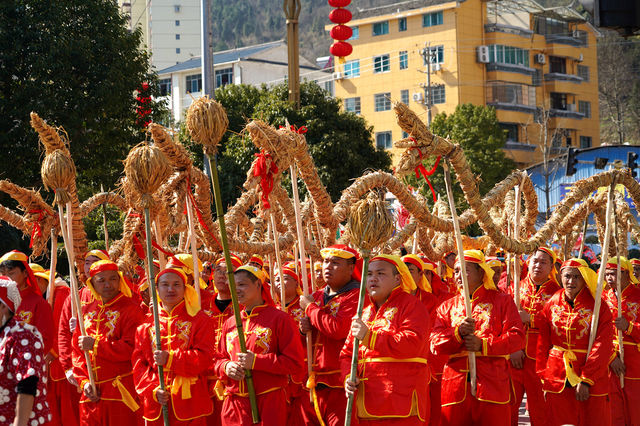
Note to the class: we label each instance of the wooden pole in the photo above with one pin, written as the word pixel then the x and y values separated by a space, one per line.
pixel 217 195
pixel 104 222
pixel 151 279
pixel 162 261
pixel 584 235
pixel 194 249
pixel 52 266
pixel 303 256
pixel 605 252
pixel 75 295
pixel 283 303
pixel 292 12
pixel 516 262
pixel 618 290
pixel 465 284
pixel 414 248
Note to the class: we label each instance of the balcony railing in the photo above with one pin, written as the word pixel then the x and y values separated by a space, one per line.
pixel 512 97
pixel 558 76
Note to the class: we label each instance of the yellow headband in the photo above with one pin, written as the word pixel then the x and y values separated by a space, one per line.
pixel 191 302
pixel 39 271
pixel 589 275
pixel 185 262
pixel 336 252
pixel 406 280
pixel 415 260
pixel 624 265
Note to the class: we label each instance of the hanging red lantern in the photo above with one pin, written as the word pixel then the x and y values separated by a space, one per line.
pixel 339 3
pixel 341 32
pixel 340 16
pixel 341 49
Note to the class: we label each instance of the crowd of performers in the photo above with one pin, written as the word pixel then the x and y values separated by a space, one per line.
pixel 413 361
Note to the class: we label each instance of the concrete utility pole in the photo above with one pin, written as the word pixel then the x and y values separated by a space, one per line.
pixel 428 56
pixel 292 12
pixel 206 53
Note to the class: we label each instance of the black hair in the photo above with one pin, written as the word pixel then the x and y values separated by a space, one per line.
pixel 10 264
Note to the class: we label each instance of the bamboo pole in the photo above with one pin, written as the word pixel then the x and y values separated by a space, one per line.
pixel 465 284
pixel 104 222
pixel 303 257
pixel 52 266
pixel 414 247
pixel 215 184
pixel 516 262
pixel 162 261
pixel 283 303
pixel 618 289
pixel 194 249
pixel 75 296
pixel 154 302
pixel 605 246
pixel 584 235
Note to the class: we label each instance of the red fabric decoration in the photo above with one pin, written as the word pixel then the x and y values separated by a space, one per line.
pixel 340 16
pixel 265 168
pixel 341 32
pixel 36 231
pixel 421 169
pixel 143 103
pixel 341 49
pixel 339 3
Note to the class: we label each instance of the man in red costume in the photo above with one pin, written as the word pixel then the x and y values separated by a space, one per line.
pixel 535 290
pixel 393 372
pixel 635 264
pixel 185 262
pixel 328 314
pixel 110 323
pixel 576 386
pixel 187 351
pixel 625 401
pixel 448 261
pixel 33 309
pixel 273 352
pixel 493 332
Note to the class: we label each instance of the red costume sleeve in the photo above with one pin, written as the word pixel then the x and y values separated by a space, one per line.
pixel 511 338
pixel 544 340
pixel 335 327
pixel 145 373
pixel 633 330
pixel 289 358
pixel 601 353
pixel 445 339
pixel 192 362
pixel 64 335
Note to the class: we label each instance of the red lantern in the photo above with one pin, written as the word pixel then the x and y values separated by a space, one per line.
pixel 340 16
pixel 341 32
pixel 341 49
pixel 339 3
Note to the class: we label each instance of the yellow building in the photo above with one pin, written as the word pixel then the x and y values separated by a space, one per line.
pixel 536 66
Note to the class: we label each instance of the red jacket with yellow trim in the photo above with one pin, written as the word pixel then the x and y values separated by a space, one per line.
pixel 392 360
pixel 65 346
pixel 191 351
pixel 532 300
pixel 273 336
pixel 631 336
pixel 564 327
pixel 499 326
pixel 331 323
pixel 431 302
pixel 297 381
pixel 113 326
pixel 60 295
pixel 35 310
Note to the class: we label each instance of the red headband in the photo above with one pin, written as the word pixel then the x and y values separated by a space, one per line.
pixel 101 266
pixel 414 262
pixel 573 263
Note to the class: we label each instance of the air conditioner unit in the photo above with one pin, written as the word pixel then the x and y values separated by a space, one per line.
pixel 338 75
pixel 418 97
pixel 436 67
pixel 540 58
pixel 483 54
pixel 580 58
pixel 571 107
pixel 577 33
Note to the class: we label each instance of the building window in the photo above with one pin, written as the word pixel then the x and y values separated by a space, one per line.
pixel 437 94
pixel 404 97
pixel 383 140
pixel 508 55
pixel 585 141
pixel 355 33
pixel 584 107
pixel 558 101
pixel 557 64
pixel 537 77
pixel 382 102
pixel 194 83
pixel 176 8
pixel 177 50
pixel 437 55
pixel 352 68
pixel 583 72
pixel 165 86
pixel 510 130
pixel 431 19
pixel 402 24
pixel 224 77
pixel 404 60
pixel 352 105
pixel 177 36
pixel 381 28
pixel 500 92
pixel 381 64
pixel 177 22
pixel 546 26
